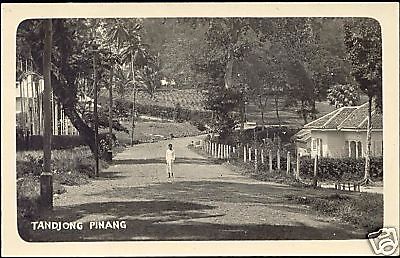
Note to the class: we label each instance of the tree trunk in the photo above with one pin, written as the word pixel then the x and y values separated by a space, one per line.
pixel 228 71
pixel 230 58
pixel 110 122
pixel 262 108
pixel 304 113
pixel 133 96
pixel 84 130
pixel 96 118
pixel 367 176
pixel 277 110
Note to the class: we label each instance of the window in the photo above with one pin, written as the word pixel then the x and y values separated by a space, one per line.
pixel 359 148
pixel 317 146
pixel 313 144
pixel 353 149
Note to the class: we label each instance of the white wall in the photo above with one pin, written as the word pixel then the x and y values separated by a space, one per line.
pixel 376 140
pixel 333 142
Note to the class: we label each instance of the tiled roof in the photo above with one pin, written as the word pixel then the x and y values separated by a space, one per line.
pixel 358 119
pixel 321 121
pixel 347 118
pixel 303 135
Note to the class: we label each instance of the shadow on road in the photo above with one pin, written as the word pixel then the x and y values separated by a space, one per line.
pixel 160 214
pixel 168 220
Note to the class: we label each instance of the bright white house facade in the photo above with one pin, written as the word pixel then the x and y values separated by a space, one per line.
pixel 341 133
pixel 29 107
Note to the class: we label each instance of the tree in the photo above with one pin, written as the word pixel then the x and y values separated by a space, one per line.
pixel 71 64
pixel 133 52
pixel 343 95
pixel 364 45
pixel 310 54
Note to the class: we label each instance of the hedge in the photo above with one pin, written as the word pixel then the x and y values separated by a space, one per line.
pixel 328 168
pixel 197 117
pixel 35 142
pixel 341 169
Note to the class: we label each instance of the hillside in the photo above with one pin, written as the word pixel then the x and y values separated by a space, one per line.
pixel 192 99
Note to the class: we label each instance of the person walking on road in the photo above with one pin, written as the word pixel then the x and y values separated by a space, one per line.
pixel 170 158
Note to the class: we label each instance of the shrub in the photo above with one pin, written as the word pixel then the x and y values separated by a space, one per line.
pixel 179 113
pixel 341 169
pixel 35 142
pixel 31 165
pixel 361 209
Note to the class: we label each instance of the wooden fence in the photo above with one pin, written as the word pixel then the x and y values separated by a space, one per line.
pixel 265 157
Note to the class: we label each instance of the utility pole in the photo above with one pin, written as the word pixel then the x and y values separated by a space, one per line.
pixel 46 177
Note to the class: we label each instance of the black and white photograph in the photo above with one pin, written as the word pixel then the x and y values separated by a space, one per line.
pixel 201 128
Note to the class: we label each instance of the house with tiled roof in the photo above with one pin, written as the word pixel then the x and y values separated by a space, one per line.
pixel 341 133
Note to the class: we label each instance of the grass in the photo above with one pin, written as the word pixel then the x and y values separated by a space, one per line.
pixel 70 167
pixel 361 209
pixel 150 131
pixel 194 100
pixel 364 210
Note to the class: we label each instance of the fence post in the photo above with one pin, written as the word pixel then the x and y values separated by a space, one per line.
pixel 250 154
pixel 270 160
pixel 262 156
pixel 225 152
pixel 220 151
pixel 288 163
pixel 244 154
pixel 298 166
pixel 315 171
pixel 278 160
pixel 255 159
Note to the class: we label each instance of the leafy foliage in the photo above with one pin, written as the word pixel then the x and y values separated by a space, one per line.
pixel 364 45
pixel 341 169
pixel 343 95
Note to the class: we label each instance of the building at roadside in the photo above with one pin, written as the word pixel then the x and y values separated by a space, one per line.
pixel 341 133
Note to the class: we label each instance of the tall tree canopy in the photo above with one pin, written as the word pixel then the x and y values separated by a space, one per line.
pixel 73 43
pixel 364 45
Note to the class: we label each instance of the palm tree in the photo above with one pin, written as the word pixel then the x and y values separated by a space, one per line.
pixel 128 42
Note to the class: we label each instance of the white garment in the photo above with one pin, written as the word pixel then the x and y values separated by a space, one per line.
pixel 169 155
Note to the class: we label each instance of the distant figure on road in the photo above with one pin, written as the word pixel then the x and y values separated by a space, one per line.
pixel 170 158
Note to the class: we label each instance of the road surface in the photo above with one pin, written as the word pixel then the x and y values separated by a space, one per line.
pixel 205 201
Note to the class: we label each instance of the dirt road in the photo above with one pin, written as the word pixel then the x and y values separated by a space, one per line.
pixel 205 201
